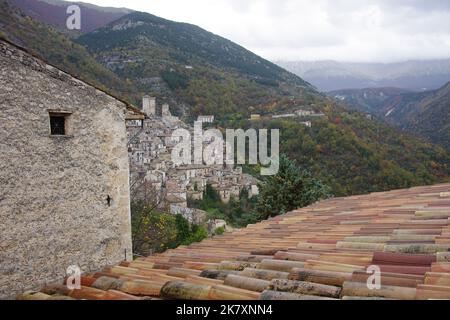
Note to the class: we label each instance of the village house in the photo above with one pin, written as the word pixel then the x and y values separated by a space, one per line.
pixel 286 115
pixel 64 176
pixel 205 119
pixel 306 123
pixel 167 115
pixel 303 113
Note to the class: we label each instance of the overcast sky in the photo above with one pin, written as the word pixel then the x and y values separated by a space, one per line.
pixel 343 30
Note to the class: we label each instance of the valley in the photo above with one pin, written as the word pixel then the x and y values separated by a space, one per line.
pixel 425 114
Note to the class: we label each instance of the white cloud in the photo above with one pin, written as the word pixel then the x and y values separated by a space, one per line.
pixel 344 30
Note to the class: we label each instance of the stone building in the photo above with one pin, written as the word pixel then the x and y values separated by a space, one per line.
pixel 205 119
pixel 303 113
pixel 64 174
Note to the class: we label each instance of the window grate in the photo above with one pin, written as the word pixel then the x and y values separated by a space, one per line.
pixel 58 125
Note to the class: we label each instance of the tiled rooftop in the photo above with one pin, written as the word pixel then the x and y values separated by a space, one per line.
pixel 318 252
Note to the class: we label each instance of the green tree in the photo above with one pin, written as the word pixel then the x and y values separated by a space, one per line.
pixel 211 194
pixel 183 228
pixel 198 233
pixel 291 188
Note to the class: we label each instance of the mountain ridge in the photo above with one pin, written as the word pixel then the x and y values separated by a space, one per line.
pixel 196 34
pixel 166 58
pixel 416 75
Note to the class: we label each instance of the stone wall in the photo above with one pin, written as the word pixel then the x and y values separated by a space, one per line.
pixel 53 189
pixel 194 216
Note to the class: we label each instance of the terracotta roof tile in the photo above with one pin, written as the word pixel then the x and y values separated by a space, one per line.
pixel 318 252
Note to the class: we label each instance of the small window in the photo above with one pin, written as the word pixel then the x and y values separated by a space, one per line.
pixel 58 125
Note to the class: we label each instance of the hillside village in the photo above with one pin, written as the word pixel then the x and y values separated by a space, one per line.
pixel 150 145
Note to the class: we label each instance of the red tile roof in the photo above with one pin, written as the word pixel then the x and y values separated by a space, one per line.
pixel 318 252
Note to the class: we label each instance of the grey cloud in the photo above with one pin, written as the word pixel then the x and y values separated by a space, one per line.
pixel 430 5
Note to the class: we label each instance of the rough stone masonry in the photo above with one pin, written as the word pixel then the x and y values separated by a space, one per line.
pixel 64 199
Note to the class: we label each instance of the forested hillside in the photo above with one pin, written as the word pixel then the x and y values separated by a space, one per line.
pixel 355 155
pixel 425 114
pixel 422 113
pixel 59 50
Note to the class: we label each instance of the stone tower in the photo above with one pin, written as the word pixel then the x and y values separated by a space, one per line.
pixel 166 110
pixel 149 105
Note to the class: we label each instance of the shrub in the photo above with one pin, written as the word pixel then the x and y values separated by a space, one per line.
pixel 156 232
pixel 198 233
pixel 291 188
pixel 219 231
pixel 175 80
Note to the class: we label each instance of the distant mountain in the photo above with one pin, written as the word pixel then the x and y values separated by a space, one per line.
pixel 198 72
pixel 369 100
pixel 53 12
pixel 411 75
pixel 424 113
